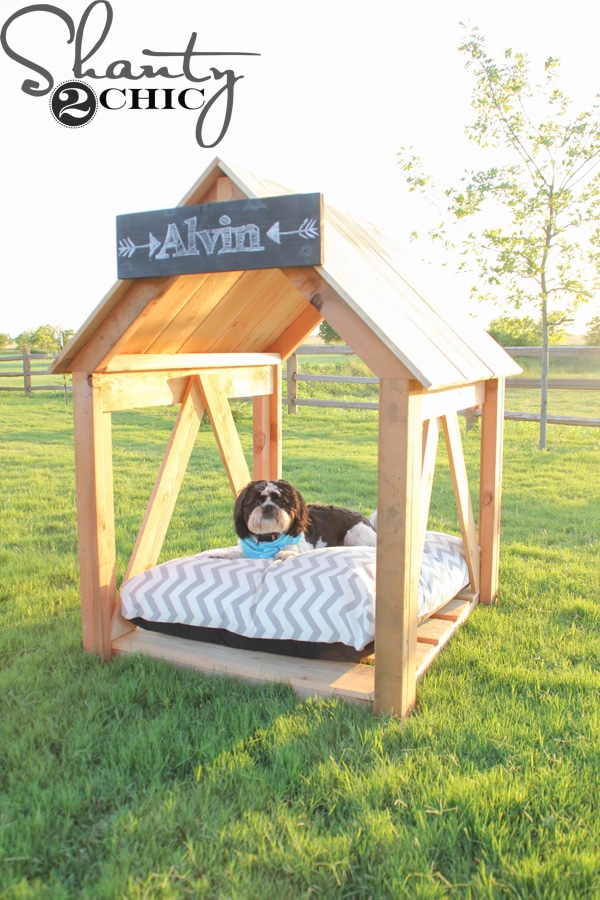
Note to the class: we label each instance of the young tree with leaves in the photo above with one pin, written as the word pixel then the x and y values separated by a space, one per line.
pixel 538 244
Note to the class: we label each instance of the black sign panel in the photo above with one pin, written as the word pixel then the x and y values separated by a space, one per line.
pixel 264 233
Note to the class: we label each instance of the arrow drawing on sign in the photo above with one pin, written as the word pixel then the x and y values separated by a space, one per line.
pixel 127 247
pixel 307 230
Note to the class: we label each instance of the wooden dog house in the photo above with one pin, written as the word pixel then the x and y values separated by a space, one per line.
pixel 199 339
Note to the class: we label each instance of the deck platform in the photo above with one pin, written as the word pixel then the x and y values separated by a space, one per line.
pixel 307 677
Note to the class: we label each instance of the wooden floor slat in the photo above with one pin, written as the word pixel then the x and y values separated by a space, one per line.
pixel 307 677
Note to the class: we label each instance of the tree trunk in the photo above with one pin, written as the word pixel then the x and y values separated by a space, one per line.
pixel 545 369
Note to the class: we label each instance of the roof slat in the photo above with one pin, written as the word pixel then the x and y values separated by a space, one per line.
pixel 202 335
pixel 176 330
pixel 423 314
pixel 367 290
pixel 157 318
pixel 368 278
pixel 478 342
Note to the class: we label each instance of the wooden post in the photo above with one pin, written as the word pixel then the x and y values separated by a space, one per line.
pixel 95 514
pixel 490 487
pixel 399 546
pixel 276 426
pixel 27 371
pixel 261 446
pixel 267 462
pixel 292 384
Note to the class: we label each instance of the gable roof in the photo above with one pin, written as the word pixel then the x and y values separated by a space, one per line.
pixel 364 274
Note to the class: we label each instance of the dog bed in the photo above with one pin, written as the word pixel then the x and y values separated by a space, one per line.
pixel 319 604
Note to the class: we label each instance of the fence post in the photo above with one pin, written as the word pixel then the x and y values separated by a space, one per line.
pixel 292 384
pixel 27 371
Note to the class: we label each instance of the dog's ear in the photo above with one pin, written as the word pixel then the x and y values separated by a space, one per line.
pixel 294 503
pixel 240 511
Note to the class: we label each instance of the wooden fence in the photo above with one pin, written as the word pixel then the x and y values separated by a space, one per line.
pixel 294 376
pixel 25 373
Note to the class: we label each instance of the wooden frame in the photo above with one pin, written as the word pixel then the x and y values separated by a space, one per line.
pixel 408 447
pixel 197 341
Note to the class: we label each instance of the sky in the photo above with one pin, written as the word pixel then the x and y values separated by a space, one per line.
pixel 337 89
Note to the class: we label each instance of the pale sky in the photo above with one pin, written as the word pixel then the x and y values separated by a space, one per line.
pixel 337 89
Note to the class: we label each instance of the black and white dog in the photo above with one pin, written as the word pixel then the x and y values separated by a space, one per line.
pixel 272 520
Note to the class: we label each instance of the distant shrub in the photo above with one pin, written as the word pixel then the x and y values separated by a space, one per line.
pixel 515 331
pixel 592 332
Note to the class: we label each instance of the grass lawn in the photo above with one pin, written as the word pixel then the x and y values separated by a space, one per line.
pixel 137 780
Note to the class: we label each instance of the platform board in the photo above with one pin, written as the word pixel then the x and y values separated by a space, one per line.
pixel 307 677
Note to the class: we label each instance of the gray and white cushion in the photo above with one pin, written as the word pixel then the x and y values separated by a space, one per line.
pixel 327 595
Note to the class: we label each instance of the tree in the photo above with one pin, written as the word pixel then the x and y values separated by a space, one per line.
pixel 542 193
pixel 328 335
pixel 592 332
pixel 5 340
pixel 523 331
pixel 46 339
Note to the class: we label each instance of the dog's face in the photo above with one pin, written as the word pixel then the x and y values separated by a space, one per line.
pixel 270 507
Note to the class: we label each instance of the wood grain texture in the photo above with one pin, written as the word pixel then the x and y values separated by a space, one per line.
pixel 213 391
pixel 267 433
pixel 308 678
pixel 372 293
pixel 95 515
pixel 399 547
pixel 138 390
pixel 170 362
pixel 462 494
pixel 168 483
pixel 490 490
pixel 431 434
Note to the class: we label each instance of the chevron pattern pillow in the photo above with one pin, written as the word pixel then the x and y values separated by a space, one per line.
pixel 325 596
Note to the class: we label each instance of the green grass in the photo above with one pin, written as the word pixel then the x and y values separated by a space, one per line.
pixel 137 780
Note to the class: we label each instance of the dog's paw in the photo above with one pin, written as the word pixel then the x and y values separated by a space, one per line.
pixel 288 553
pixel 224 553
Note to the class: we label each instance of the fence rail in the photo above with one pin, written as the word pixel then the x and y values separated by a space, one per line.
pixel 26 373
pixel 294 377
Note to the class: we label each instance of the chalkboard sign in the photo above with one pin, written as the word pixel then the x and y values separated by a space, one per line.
pixel 264 233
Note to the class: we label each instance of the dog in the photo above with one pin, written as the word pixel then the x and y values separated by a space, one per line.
pixel 273 521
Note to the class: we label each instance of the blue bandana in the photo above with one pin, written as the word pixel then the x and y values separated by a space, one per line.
pixel 267 549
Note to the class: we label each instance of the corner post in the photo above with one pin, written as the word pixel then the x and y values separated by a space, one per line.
pixel 95 514
pixel 399 546
pixel 490 487
pixel 267 431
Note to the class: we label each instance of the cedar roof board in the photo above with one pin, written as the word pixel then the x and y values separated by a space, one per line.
pixel 372 275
